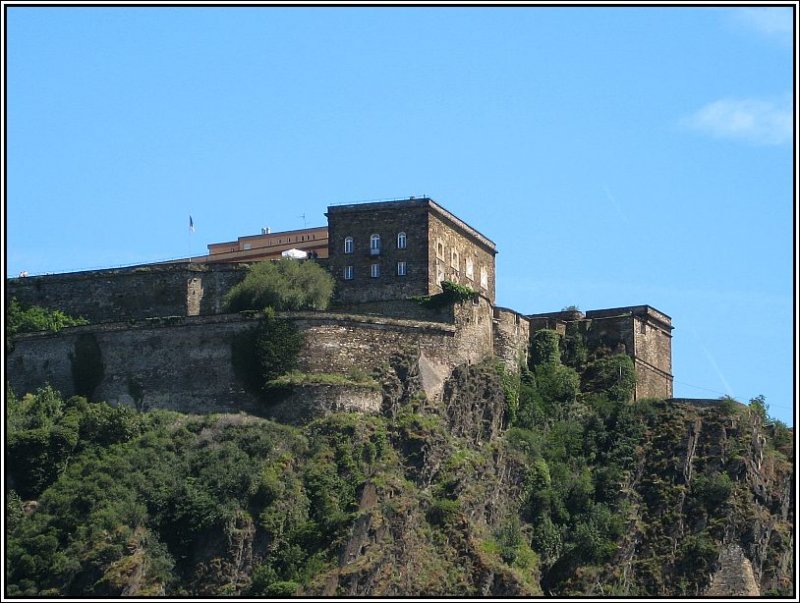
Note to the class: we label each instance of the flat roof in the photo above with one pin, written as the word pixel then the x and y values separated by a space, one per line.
pixel 271 234
pixel 415 202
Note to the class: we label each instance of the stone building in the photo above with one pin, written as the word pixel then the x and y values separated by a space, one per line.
pixel 380 254
pixel 400 249
pixel 641 332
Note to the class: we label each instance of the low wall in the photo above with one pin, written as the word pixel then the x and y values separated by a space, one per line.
pixel 131 293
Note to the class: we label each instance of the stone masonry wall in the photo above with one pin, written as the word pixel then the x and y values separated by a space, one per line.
pixel 184 363
pixel 641 332
pixel 450 253
pixel 511 337
pixel 131 293
pixel 386 220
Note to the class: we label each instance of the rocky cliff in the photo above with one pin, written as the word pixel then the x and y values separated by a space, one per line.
pixel 452 496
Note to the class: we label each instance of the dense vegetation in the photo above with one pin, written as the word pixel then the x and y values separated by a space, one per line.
pixel 576 490
pixel 21 318
pixel 284 284
pixel 266 352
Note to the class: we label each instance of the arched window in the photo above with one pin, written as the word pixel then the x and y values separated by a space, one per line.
pixel 440 250
pixel 454 260
pixel 375 244
pixel 348 245
pixel 401 240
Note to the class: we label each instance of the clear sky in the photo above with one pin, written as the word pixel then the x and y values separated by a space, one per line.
pixel 617 156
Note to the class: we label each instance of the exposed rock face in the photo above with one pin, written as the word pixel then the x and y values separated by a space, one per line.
pixel 474 403
pixel 734 577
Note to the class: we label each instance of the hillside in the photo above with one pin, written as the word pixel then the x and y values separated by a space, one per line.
pixel 548 482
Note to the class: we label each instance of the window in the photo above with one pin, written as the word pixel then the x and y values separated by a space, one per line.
pixel 348 273
pixel 375 244
pixel 375 270
pixel 470 270
pixel 401 268
pixel 401 240
pixel 439 275
pixel 247 246
pixel 484 278
pixel 440 250
pixel 348 244
pixel 454 260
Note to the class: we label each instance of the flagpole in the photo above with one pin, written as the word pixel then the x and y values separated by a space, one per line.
pixel 191 230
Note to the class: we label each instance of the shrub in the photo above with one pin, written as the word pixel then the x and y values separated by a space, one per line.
pixel 285 284
pixel 23 319
pixel 266 352
pixel 557 384
pixel 444 512
pixel 615 376
pixel 544 348
pixel 452 293
pixel 712 490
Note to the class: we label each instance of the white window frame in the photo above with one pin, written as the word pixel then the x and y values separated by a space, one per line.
pixel 375 270
pixel 402 240
pixel 401 268
pixel 348 273
pixel 470 269
pixel 455 260
pixel 484 278
pixel 375 244
pixel 348 245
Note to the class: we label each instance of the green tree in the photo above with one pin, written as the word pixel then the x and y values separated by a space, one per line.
pixel 615 376
pixel 268 351
pixel 544 348
pixel 285 284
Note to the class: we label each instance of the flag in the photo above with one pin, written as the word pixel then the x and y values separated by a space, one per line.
pixel 191 224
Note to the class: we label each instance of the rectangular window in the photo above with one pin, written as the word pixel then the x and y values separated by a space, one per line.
pixel 470 270
pixel 375 270
pixel 247 246
pixel 348 273
pixel 401 268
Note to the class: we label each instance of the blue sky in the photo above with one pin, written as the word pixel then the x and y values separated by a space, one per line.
pixel 617 156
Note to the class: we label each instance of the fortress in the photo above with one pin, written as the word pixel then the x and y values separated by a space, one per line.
pixel 159 337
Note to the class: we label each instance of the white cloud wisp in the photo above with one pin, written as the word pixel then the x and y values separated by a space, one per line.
pixel 772 22
pixel 751 120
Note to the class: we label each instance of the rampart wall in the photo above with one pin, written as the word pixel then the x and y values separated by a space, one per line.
pixel 511 337
pixel 185 363
pixel 131 293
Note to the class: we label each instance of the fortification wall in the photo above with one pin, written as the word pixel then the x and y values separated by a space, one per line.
pixel 397 308
pixel 131 293
pixel 511 337
pixel 185 363
pixel 340 342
